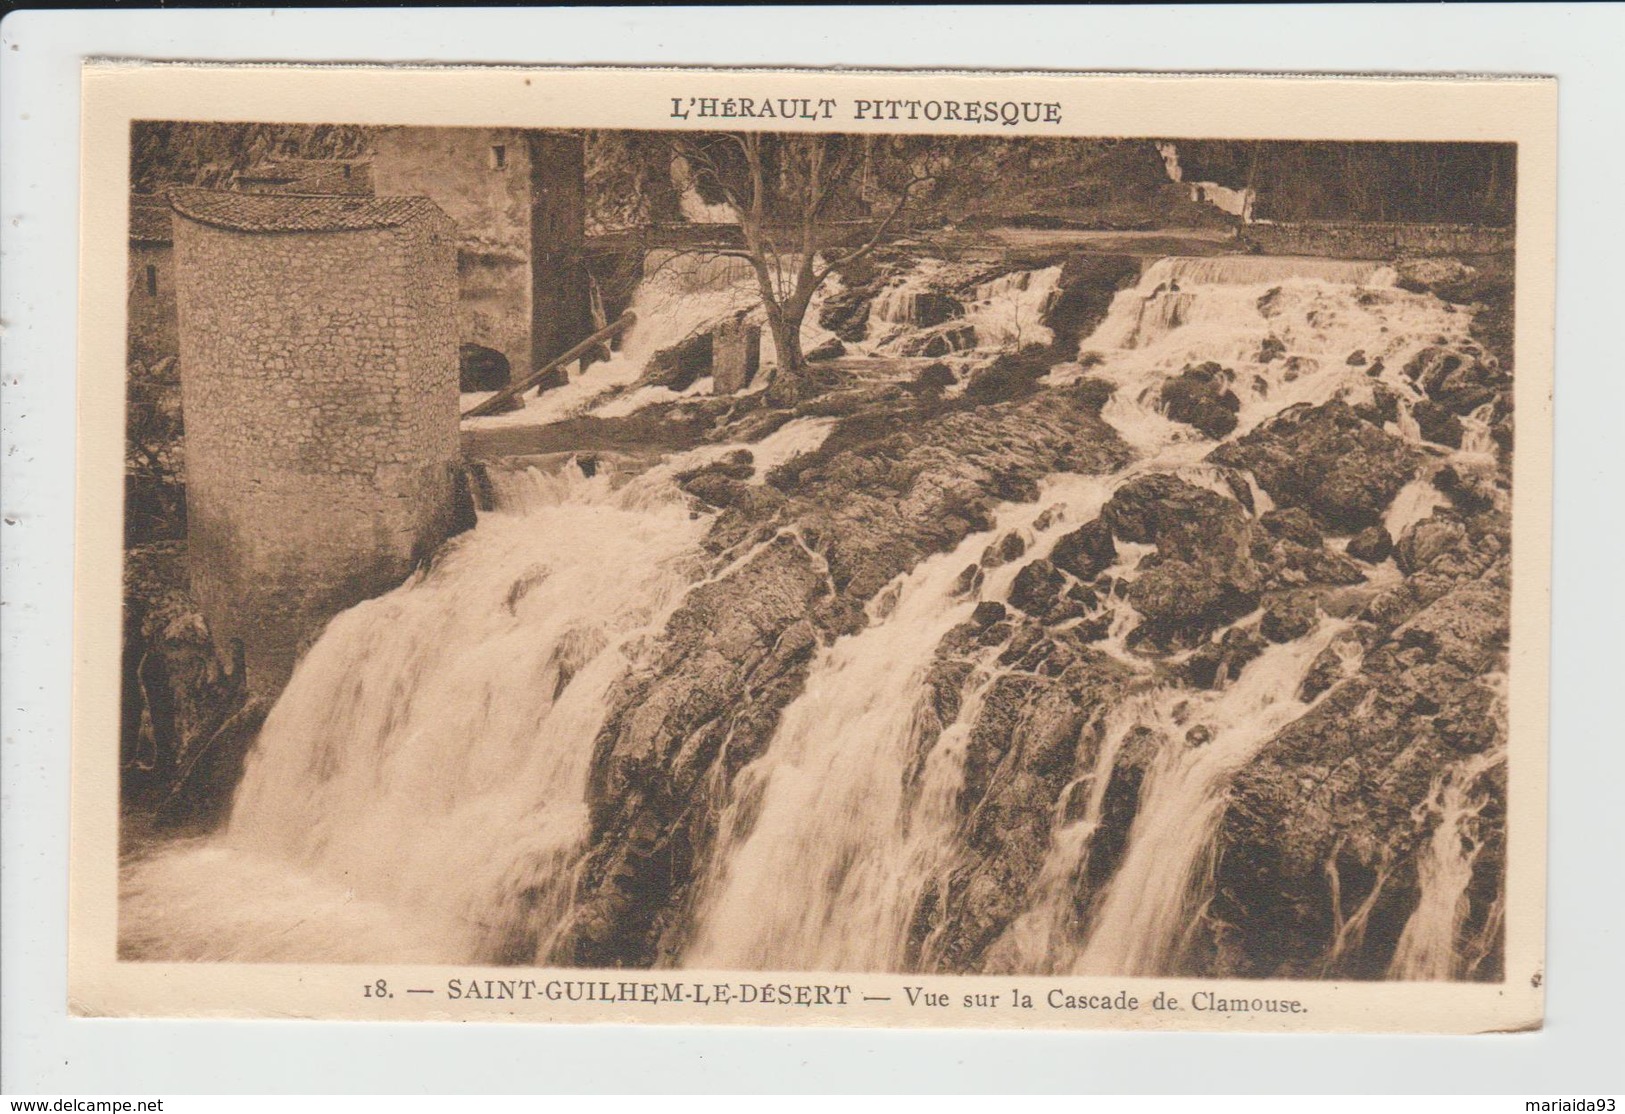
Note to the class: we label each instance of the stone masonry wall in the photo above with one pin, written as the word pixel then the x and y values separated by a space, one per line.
pixel 1356 240
pixel 458 169
pixel 319 380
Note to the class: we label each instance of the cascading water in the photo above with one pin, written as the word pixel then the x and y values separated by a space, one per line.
pixel 419 793
pixel 1009 310
pixel 679 296
pixel 1431 946
pixel 428 759
pixel 1149 906
pixel 826 804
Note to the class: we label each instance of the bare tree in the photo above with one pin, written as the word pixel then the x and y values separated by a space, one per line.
pixel 786 192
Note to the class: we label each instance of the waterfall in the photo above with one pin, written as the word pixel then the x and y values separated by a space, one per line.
pixel 1430 947
pixel 427 763
pixel 1009 310
pixel 1005 312
pixel 1150 905
pixel 419 792
pixel 1250 270
pixel 826 804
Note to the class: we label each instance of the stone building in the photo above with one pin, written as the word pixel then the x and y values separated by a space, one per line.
pixel 518 199
pixel 151 301
pixel 319 379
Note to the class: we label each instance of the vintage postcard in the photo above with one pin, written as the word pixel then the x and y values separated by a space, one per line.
pixel 890 549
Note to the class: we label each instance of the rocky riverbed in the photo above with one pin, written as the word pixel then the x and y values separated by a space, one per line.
pixel 1175 535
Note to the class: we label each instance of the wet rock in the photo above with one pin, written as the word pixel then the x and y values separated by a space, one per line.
pixel 1200 396
pixel 1324 672
pixel 481 369
pixel 680 365
pixel 1033 733
pixel 1199 736
pixel 1009 546
pixel 1433 276
pixel 1437 424
pixel 1121 802
pixel 1159 504
pixel 1466 378
pixel 1371 545
pixel 1216 663
pixel 1271 349
pixel 988 612
pixel 1293 524
pixel 1297 366
pixel 1356 358
pixel 932 307
pixel 831 349
pixel 1010 376
pixel 1083 294
pixel 968 580
pixel 1383 408
pixel 1096 629
pixel 846 313
pixel 1425 541
pixel 1037 588
pixel 1093 394
pixel 1288 617
pixel 739 464
pixel 1087 551
pixel 944 340
pixel 935 378
pixel 1328 460
pixel 1287 564
pixel 1203 575
pixel 1468 493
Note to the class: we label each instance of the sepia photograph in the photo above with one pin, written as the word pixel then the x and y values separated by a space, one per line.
pixel 981 575
pixel 774 551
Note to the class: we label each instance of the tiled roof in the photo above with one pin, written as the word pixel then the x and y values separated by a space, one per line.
pixel 150 221
pixel 287 212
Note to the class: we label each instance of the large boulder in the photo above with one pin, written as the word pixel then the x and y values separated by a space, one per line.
pixel 1087 551
pixel 1327 459
pixel 1437 424
pixel 1200 396
pixel 846 313
pixel 678 366
pixel 1371 545
pixel 1202 575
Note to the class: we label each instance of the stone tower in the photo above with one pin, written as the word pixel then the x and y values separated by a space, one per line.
pixel 318 354
pixel 518 198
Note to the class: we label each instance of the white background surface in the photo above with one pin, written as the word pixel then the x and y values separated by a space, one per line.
pixel 43 1051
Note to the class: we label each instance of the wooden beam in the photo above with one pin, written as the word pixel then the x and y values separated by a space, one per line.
pixel 498 403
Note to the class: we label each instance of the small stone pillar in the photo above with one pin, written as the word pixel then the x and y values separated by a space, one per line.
pixel 736 354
